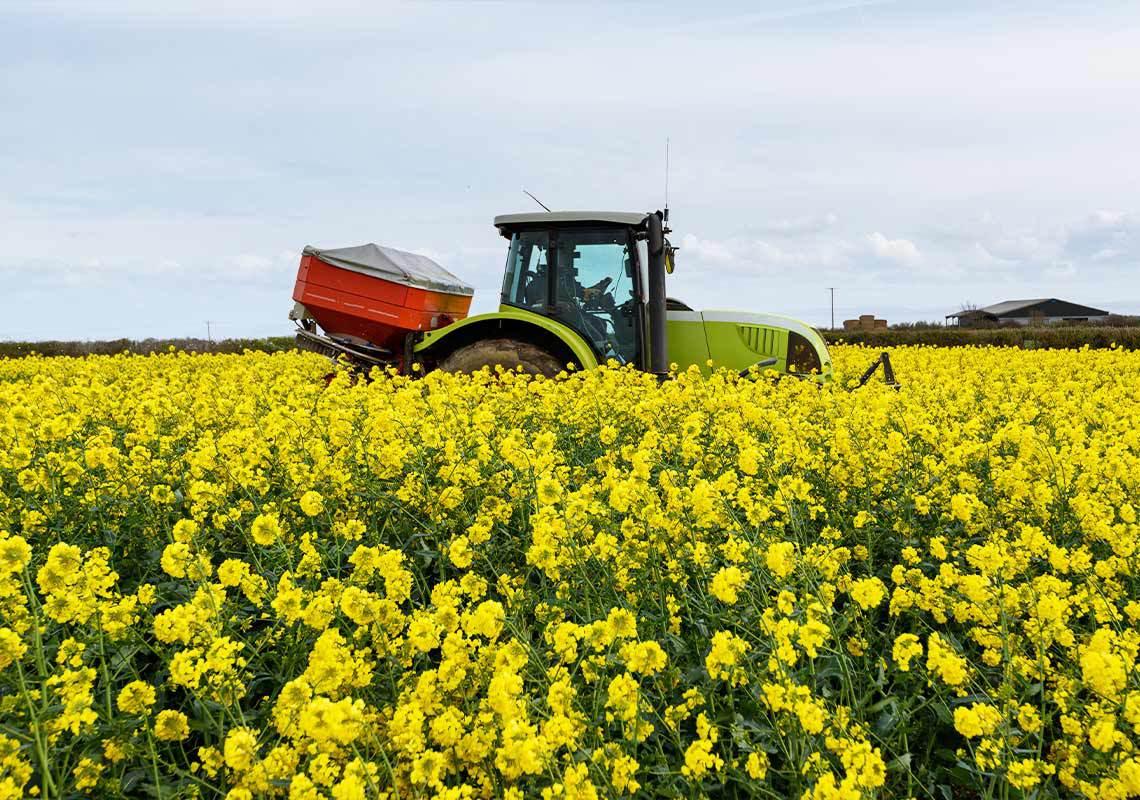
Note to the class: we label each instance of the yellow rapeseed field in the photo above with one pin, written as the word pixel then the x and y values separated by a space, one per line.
pixel 221 578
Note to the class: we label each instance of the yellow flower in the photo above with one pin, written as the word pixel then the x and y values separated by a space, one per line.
pixel 1103 734
pixel 486 620
pixel 240 749
pixel 976 720
pixel 780 558
pixel 811 715
pixel 312 503
pixel 184 531
pixel 699 756
pixel 622 696
pixel 506 582
pixel 942 660
pixel 723 660
pixel 15 553
pixel 87 773
pixel 645 658
pixel 726 584
pixel 549 491
pixel 171 726
pixel 620 624
pixel 1102 668
pixel 757 766
pixel 906 647
pixel 12 648
pixel 176 559
pixel 868 592
pixel 938 548
pixel 136 698
pixel 266 529
pixel 962 507
pixel 210 759
pixel 460 552
pixel 1026 773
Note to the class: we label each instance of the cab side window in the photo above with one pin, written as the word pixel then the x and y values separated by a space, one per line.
pixel 527 272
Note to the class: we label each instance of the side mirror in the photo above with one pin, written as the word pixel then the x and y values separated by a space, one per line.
pixel 670 265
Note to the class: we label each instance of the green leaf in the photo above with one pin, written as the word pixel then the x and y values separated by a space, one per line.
pixel 900 763
pixel 132 779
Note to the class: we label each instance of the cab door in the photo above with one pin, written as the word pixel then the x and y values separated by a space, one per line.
pixel 598 291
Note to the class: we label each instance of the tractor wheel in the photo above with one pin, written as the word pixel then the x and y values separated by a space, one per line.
pixel 510 353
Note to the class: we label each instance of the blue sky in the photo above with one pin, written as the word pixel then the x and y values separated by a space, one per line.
pixel 163 163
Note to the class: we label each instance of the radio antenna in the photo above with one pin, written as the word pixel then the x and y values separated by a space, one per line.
pixel 665 220
pixel 535 199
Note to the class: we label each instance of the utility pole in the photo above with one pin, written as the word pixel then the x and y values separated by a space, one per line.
pixel 209 332
pixel 832 290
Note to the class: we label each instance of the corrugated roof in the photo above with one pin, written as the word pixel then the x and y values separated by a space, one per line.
pixel 1011 308
pixel 997 309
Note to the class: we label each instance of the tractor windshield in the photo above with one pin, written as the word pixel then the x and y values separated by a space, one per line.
pixel 583 277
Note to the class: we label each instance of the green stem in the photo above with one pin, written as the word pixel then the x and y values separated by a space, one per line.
pixel 154 762
pixel 37 733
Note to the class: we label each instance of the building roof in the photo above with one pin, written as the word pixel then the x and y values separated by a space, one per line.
pixel 1010 308
pixel 555 217
pixel 1007 306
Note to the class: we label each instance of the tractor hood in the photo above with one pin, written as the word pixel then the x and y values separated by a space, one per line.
pixel 751 320
pixel 739 339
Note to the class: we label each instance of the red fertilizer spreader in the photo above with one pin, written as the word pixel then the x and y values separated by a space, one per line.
pixel 367 299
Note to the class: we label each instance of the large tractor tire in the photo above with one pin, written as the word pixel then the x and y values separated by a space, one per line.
pixel 510 353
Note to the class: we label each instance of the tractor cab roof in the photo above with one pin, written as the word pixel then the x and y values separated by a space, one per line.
pixel 508 223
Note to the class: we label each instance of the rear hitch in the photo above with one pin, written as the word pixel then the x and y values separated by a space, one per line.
pixel 888 371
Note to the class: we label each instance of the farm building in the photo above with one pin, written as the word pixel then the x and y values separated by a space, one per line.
pixel 1026 312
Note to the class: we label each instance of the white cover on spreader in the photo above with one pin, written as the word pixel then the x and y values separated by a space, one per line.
pixel 393 265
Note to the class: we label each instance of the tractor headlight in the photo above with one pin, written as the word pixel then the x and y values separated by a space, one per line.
pixel 802 356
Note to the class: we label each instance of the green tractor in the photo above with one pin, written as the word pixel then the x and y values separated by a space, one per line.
pixel 580 288
pixel 587 288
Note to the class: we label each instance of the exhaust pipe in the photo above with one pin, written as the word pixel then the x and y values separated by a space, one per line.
pixel 655 239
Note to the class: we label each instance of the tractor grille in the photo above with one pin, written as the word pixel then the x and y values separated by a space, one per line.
pixel 757 339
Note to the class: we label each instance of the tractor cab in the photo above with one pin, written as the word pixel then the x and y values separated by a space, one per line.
pixel 595 272
pixel 587 271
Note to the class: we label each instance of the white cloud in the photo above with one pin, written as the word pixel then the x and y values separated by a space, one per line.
pixel 197 163
pixel 1097 246
pixel 750 256
pixel 898 251
pixel 209 153
pixel 1019 247
pixel 799 226
pixel 708 251
pixel 1064 271
pixel 1105 237
pixel 251 265
pixel 221 11
pixel 63 247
